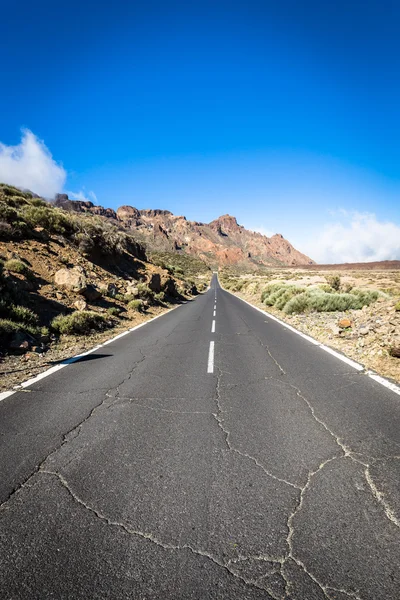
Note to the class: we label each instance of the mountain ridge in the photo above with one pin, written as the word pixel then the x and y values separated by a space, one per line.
pixel 222 242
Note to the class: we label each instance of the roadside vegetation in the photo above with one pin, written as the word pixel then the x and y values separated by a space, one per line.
pixel 294 298
pixel 354 311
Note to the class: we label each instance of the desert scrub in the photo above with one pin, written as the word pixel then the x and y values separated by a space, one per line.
pixel 315 300
pixel 43 215
pixel 397 307
pixel 79 322
pixel 333 281
pixel 269 289
pixel 145 292
pixel 160 297
pixel 17 266
pixel 114 311
pixel 17 313
pixel 136 305
pixel 288 293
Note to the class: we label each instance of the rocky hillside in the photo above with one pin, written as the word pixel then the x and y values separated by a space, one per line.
pixel 69 274
pixel 219 243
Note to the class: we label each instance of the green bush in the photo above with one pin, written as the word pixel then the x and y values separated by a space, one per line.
pixel 8 327
pixel 7 213
pixel 313 300
pixel 121 298
pixel 269 289
pixel 51 219
pixel 365 297
pixel 114 311
pixel 298 304
pixel 397 307
pixel 287 295
pixel 17 266
pixel 79 322
pixel 326 288
pixel 136 305
pixel 21 314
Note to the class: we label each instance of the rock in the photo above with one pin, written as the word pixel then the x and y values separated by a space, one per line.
pixel 132 290
pixel 21 341
pixel 59 295
pixel 335 329
pixel 344 323
pixel 112 290
pixel 80 304
pixel 364 330
pixel 395 352
pixel 71 279
pixel 91 293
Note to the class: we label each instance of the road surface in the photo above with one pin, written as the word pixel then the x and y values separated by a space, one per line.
pixel 210 454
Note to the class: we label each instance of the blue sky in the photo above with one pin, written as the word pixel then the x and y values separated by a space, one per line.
pixel 285 114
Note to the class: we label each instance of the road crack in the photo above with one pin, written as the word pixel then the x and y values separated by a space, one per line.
pixel 147 535
pixel 218 417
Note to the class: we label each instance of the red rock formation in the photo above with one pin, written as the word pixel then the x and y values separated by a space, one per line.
pixel 223 241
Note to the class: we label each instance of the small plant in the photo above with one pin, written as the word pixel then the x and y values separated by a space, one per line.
pixel 121 298
pixel 347 288
pixel 114 311
pixel 333 281
pixel 16 266
pixel 21 314
pixel 145 292
pixel 79 322
pixel 160 298
pixel 136 305
pixel 397 307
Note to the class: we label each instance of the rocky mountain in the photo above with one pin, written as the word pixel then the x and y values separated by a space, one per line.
pixel 221 242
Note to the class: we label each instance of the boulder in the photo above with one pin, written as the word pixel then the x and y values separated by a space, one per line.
pixel 80 304
pixel 73 280
pixel 91 293
pixel 155 283
pixel 395 352
pixel 344 323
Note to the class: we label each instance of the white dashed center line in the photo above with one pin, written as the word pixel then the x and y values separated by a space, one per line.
pixel 213 327
pixel 210 368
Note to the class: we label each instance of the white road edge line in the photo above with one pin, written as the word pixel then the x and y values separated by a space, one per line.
pixel 352 363
pixel 73 359
pixel 210 366
pixel 213 327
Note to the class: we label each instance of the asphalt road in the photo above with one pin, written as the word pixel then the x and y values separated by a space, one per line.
pixel 166 467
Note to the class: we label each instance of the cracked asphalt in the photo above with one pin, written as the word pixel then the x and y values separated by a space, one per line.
pixel 134 473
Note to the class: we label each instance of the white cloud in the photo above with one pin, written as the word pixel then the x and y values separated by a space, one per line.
pixel 83 195
pixel 356 237
pixel 30 165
